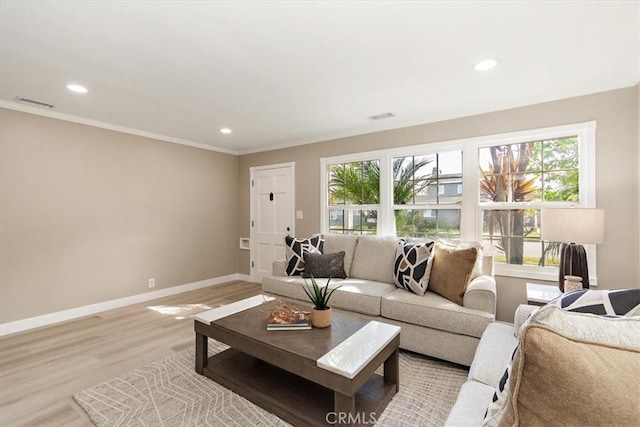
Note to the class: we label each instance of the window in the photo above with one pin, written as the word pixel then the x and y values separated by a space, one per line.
pixel 424 188
pixel 516 181
pixel 490 188
pixel 354 197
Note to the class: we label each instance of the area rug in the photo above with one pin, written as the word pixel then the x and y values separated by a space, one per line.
pixel 170 393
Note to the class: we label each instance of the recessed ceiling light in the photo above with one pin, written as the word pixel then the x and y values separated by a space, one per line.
pixel 487 64
pixel 226 131
pixel 77 88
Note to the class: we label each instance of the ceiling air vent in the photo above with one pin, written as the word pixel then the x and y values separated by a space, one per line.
pixel 33 102
pixel 381 116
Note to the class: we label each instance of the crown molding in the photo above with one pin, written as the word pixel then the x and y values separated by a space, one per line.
pixel 109 126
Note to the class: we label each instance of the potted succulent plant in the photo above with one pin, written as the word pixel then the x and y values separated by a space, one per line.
pixel 319 296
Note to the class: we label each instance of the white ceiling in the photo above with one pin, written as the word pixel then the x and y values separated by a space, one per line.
pixel 288 73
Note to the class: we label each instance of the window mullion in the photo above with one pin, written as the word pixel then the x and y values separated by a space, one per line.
pixel 386 223
pixel 324 196
pixel 470 216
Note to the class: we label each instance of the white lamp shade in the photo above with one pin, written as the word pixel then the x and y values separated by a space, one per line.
pixel 573 225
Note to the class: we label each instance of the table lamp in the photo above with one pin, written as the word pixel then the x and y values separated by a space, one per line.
pixel 573 227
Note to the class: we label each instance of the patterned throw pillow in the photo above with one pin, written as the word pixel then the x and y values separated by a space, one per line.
pixel 324 265
pixel 412 266
pixel 607 302
pixel 295 252
pixel 501 394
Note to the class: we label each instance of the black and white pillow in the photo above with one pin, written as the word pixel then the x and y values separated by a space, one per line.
pixel 295 252
pixel 412 266
pixel 500 396
pixel 607 302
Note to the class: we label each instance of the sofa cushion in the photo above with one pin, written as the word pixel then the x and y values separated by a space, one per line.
pixel 341 242
pixel 434 311
pixel 373 258
pixel 470 405
pixel 451 271
pixel 588 361
pixel 324 265
pixel 412 266
pixel 295 252
pixel 493 354
pixel 362 296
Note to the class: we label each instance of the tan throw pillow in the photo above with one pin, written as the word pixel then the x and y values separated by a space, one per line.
pixel 565 382
pixel 451 244
pixel 451 271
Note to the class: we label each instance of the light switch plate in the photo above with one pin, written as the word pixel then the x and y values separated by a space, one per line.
pixel 299 215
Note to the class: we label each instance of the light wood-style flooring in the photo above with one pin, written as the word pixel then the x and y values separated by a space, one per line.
pixel 41 369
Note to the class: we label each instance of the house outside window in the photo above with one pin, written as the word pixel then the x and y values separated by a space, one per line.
pixel 488 189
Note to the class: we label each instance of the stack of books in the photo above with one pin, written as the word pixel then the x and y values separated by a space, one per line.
pixel 289 321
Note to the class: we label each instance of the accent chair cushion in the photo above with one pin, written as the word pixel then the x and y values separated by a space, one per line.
pixel 324 265
pixel 296 249
pixel 412 266
pixel 451 271
pixel 572 368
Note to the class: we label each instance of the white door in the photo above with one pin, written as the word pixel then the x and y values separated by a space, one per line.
pixel 272 216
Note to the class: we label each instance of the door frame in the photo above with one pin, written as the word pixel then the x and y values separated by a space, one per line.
pixel 252 236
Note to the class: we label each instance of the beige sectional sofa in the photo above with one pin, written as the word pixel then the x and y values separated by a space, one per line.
pixel 492 357
pixel 431 324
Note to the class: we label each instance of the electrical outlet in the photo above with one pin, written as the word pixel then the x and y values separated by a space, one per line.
pixel 152 283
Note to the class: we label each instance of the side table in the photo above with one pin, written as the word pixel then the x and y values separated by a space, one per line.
pixel 538 294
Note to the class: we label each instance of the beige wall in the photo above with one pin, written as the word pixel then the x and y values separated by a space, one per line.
pixel 617 190
pixel 89 215
pixel 638 153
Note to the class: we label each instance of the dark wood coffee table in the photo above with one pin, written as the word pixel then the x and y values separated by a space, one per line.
pixel 309 377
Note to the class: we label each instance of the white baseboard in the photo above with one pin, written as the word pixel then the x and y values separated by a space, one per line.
pixel 244 277
pixel 87 310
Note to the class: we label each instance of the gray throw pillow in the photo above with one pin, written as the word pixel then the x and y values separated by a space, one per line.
pixel 324 265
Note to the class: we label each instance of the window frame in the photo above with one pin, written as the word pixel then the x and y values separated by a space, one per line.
pixel 470 206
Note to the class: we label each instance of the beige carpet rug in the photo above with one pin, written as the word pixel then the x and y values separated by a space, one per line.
pixel 169 393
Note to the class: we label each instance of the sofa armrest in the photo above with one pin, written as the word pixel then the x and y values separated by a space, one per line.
pixel 481 294
pixel 522 314
pixel 487 265
pixel 278 267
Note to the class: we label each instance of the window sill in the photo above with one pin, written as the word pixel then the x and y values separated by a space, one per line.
pixel 532 272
